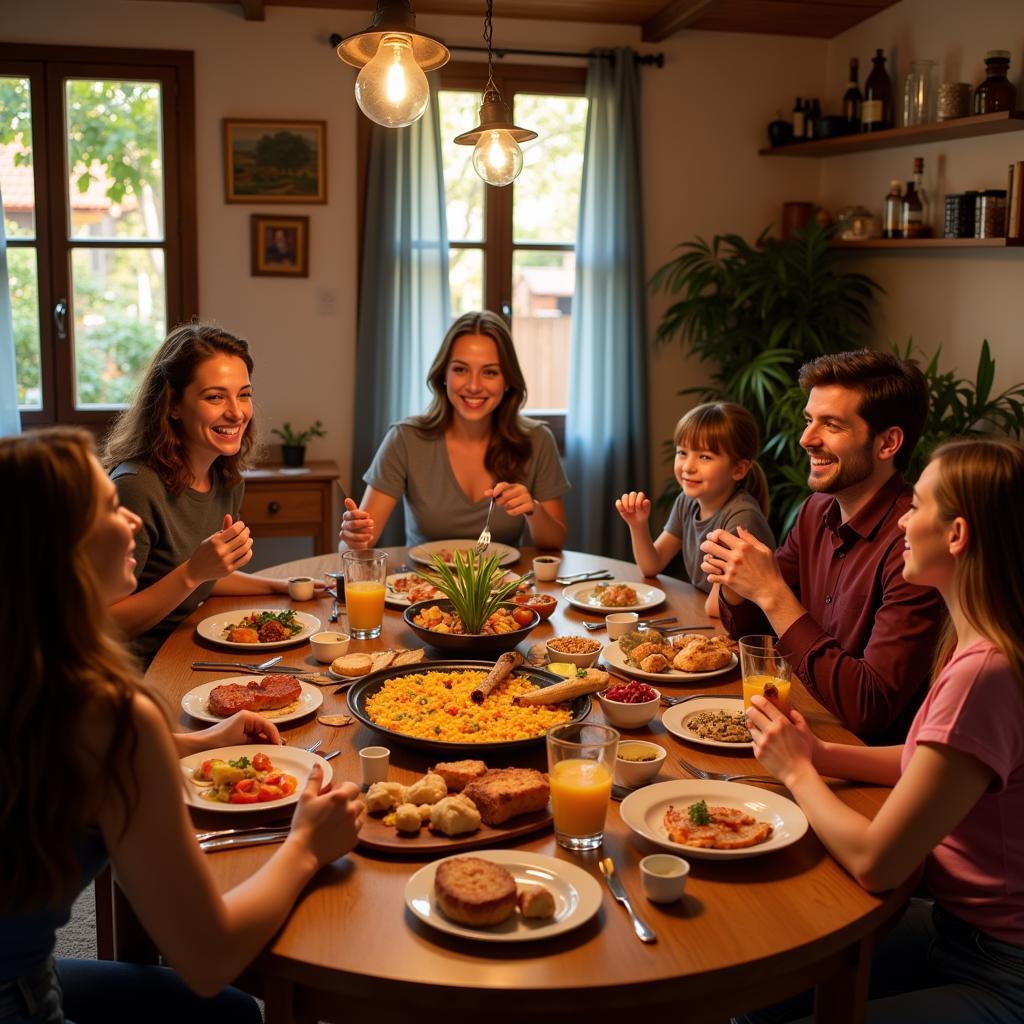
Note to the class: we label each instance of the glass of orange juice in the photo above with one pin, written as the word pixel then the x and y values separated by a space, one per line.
pixel 765 671
pixel 365 573
pixel 581 762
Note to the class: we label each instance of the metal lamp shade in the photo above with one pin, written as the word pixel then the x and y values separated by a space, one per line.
pixel 393 17
pixel 494 115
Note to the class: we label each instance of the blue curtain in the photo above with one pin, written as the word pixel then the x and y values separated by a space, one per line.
pixel 404 303
pixel 10 420
pixel 606 423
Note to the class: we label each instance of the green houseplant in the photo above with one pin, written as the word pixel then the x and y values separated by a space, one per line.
pixel 293 442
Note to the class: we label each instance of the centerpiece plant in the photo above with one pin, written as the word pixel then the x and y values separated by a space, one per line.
pixel 475 586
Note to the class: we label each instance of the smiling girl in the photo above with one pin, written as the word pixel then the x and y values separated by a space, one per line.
pixel 722 487
pixel 176 456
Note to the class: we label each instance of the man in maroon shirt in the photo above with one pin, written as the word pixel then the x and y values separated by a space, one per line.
pixel 857 634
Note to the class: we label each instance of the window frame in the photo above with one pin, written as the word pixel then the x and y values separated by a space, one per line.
pixel 47 67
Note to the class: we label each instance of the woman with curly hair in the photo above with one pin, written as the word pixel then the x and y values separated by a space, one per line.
pixel 472 444
pixel 89 772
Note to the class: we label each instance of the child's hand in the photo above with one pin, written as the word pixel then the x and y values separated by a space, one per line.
pixel 634 507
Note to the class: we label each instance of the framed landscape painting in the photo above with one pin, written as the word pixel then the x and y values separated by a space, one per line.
pixel 275 161
pixel 280 246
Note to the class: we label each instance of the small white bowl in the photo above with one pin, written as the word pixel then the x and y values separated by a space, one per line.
pixel 328 646
pixel 629 716
pixel 620 623
pixel 579 660
pixel 300 588
pixel 636 773
pixel 663 877
pixel 545 567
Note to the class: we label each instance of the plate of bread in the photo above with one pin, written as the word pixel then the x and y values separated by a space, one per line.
pixel 355 666
pixel 503 896
pixel 683 658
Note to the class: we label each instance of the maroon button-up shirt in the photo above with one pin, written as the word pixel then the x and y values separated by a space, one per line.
pixel 865 646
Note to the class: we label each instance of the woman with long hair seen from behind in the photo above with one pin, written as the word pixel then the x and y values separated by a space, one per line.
pixel 472 444
pixel 958 781
pixel 176 456
pixel 89 772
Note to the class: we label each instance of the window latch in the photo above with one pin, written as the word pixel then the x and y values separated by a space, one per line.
pixel 60 318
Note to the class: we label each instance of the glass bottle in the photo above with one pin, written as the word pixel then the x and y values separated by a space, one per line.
pixel 893 210
pixel 997 92
pixel 923 197
pixel 812 120
pixel 910 213
pixel 918 93
pixel 876 110
pixel 798 120
pixel 852 97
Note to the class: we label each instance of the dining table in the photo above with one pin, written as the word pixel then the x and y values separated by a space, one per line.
pixel 747 932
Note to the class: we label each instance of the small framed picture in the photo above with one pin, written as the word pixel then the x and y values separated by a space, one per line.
pixel 280 246
pixel 275 161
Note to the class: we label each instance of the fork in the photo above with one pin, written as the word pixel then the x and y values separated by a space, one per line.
pixel 641 623
pixel 703 773
pixel 483 542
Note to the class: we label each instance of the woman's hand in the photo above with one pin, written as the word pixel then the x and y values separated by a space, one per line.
pixel 515 499
pixel 220 554
pixel 242 727
pixel 783 745
pixel 357 527
pixel 634 507
pixel 327 820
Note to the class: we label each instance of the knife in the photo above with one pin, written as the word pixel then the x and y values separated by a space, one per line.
pixel 261 839
pixel 579 577
pixel 202 666
pixel 643 932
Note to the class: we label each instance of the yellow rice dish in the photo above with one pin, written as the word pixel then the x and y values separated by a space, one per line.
pixel 437 706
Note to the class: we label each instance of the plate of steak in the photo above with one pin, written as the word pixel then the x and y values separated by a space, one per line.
pixel 281 698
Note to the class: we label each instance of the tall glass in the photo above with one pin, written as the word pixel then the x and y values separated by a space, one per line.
pixel 365 573
pixel 918 94
pixel 581 763
pixel 765 671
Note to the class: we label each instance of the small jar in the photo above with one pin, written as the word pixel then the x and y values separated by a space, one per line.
pixel 990 213
pixel 917 94
pixel 997 92
pixel 954 100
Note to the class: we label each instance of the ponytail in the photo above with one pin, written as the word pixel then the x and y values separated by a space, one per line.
pixel 755 483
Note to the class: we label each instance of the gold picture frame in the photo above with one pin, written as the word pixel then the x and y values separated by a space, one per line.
pixel 269 161
pixel 280 245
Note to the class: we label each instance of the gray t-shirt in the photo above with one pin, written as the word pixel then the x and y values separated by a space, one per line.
pixel 741 509
pixel 416 469
pixel 172 528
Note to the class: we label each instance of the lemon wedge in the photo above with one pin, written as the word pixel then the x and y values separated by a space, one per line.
pixel 562 668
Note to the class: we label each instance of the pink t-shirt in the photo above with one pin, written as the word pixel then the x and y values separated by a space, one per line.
pixel 976 705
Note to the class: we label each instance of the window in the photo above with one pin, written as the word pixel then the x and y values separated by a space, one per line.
pixel 513 249
pixel 98 181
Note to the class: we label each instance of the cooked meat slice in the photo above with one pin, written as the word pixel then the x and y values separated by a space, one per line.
pixel 266 694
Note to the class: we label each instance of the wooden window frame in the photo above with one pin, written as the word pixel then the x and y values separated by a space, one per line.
pixel 47 67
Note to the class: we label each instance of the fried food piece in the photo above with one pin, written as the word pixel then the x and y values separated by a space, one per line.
pixel 642 651
pixel 459 774
pixel 407 818
pixel 654 663
pixel 504 793
pixel 702 654
pixel 243 635
pixel 729 828
pixel 593 681
pixel 474 891
pixel 352 665
pixel 382 796
pixel 536 903
pixel 455 815
pixel 427 790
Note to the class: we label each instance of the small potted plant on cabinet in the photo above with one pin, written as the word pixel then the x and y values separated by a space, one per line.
pixel 293 442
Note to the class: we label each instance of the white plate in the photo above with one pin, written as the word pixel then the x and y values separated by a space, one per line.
pixel 644 809
pixel 293 760
pixel 400 599
pixel 675 720
pixel 212 629
pixel 587 595
pixel 422 552
pixel 577 897
pixel 196 701
pixel 613 655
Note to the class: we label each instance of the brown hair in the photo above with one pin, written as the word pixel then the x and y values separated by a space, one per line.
pixel 893 391
pixel 727 429
pixel 983 481
pixel 145 432
pixel 63 669
pixel 509 447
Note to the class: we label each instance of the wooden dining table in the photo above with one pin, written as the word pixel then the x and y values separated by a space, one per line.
pixel 747 932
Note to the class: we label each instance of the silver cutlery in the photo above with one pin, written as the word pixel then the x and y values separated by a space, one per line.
pixel 262 839
pixel 579 577
pixel 683 629
pixel 671 702
pixel 261 669
pixel 706 776
pixel 333 617
pixel 643 931
pixel 591 626
pixel 252 830
pixel 483 542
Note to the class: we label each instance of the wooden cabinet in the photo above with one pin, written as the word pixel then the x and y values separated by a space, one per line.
pixel 282 502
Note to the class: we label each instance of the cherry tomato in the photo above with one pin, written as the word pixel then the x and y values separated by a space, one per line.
pixel 523 616
pixel 261 762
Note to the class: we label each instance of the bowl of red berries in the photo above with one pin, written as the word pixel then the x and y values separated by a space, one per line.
pixel 629 705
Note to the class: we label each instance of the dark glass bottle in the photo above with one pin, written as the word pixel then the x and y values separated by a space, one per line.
pixel 876 110
pixel 852 97
pixel 798 120
pixel 892 211
pixel 997 92
pixel 813 118
pixel 911 214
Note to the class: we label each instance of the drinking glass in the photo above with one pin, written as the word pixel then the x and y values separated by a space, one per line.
pixel 581 763
pixel 365 572
pixel 765 671
pixel 918 94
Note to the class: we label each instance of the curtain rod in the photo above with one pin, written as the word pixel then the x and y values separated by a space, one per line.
pixel 657 59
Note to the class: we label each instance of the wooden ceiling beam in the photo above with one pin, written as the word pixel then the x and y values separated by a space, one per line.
pixel 253 10
pixel 672 17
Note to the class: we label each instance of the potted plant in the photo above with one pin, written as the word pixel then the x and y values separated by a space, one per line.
pixel 293 443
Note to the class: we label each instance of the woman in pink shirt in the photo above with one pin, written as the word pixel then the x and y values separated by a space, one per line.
pixel 958 781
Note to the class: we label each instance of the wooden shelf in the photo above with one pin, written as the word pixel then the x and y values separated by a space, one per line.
pixel 927 243
pixel 962 128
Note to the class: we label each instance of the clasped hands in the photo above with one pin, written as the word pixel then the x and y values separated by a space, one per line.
pixel 745 568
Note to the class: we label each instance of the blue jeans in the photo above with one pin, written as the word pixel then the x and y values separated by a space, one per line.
pixel 931 967
pixel 105 992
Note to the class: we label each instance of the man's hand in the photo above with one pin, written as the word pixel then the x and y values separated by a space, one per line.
pixel 743 564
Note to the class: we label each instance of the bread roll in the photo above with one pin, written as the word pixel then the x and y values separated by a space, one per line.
pixel 474 892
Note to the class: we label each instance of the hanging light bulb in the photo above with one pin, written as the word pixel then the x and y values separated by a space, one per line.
pixel 391 88
pixel 497 157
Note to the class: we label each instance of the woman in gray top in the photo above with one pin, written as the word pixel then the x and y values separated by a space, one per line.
pixel 472 444
pixel 176 455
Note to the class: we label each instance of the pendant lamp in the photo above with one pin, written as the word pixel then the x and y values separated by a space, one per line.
pixel 391 88
pixel 497 157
